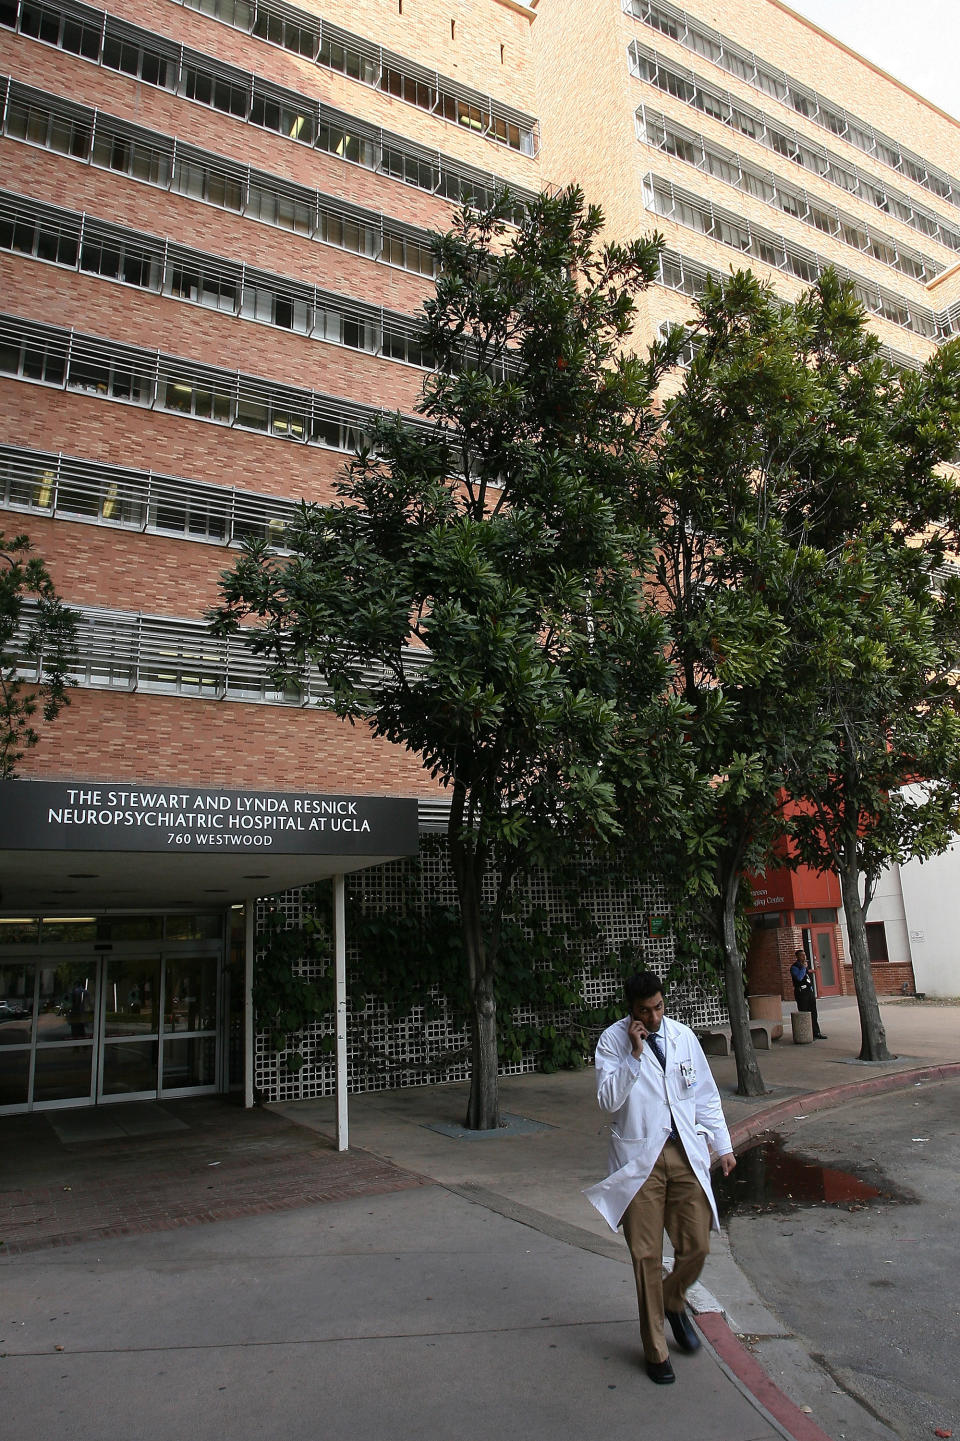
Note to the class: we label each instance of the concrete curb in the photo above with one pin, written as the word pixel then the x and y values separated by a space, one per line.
pixel 745 1368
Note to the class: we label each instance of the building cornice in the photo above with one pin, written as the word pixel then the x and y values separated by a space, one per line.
pixel 862 59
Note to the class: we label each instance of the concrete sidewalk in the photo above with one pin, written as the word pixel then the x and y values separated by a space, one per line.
pixel 408 1316
pixel 555 1145
pixel 547 1168
pixel 429 1284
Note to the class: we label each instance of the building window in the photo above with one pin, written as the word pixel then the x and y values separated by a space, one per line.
pixel 49 355
pixel 156 61
pixel 757 126
pixel 697 213
pixel 51 484
pixel 700 38
pixel 696 150
pixel 128 650
pixel 151 163
pixel 877 941
pixel 819 916
pixel 64 238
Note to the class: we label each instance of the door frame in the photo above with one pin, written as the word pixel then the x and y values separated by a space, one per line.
pixel 96 953
pixel 813 933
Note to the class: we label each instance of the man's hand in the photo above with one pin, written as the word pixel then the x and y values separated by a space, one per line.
pixel 637 1032
pixel 727 1163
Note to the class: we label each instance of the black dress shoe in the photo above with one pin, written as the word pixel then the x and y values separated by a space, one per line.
pixel 661 1373
pixel 683 1332
pixel 820 1036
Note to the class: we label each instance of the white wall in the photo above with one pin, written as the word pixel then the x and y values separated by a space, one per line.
pixel 887 906
pixel 931 904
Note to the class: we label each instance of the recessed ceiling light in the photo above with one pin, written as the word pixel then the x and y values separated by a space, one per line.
pixel 258 876
pixel 83 875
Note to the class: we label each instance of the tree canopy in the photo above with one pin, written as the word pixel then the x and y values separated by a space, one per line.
pixel 476 592
pixel 602 597
pixel 805 523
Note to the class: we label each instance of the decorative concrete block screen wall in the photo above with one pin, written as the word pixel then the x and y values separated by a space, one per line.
pixel 386 1051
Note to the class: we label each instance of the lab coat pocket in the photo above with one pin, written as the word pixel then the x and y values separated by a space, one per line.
pixel 678 1086
pixel 704 1138
pixel 626 1148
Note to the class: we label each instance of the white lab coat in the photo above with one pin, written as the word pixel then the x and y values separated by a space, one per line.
pixel 640 1096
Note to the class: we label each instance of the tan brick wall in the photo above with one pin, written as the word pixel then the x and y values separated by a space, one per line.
pixel 94 566
pixel 116 198
pixel 422 31
pixel 584 102
pixel 106 735
pixel 94 429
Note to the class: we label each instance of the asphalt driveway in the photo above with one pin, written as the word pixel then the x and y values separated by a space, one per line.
pixel 873 1292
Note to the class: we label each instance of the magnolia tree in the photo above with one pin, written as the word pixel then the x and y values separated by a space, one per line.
pixel 729 589
pixel 877 502
pixel 803 527
pixel 476 592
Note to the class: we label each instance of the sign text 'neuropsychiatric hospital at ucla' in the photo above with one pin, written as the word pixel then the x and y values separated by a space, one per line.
pixel 45 815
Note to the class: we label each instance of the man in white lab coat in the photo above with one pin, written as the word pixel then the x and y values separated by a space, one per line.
pixel 666 1118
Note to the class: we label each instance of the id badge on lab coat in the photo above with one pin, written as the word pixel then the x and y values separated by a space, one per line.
pixel 688 1073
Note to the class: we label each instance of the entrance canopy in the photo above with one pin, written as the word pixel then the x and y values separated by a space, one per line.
pixel 122 845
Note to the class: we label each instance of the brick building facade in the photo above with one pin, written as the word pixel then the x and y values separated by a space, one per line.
pixel 213 221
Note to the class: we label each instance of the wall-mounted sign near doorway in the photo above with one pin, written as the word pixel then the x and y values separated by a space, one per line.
pixel 176 819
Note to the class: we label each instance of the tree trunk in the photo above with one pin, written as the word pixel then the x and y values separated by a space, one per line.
pixel 873 1036
pixel 749 1080
pixel 468 862
pixel 483 1106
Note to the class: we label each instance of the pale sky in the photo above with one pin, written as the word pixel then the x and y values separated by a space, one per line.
pixel 918 42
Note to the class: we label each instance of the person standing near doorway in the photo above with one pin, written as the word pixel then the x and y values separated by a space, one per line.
pixel 654 1082
pixel 805 990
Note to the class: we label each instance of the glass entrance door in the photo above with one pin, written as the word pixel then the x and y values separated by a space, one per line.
pixel 111 1020
pixel 131 1026
pixel 67 1031
pixel 190 993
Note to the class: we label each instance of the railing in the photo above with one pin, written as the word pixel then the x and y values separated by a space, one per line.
pixel 131 651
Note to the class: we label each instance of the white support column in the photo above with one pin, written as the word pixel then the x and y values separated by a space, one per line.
pixel 249 917
pixel 340 973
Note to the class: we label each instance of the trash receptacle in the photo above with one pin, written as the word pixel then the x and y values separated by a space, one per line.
pixel 802 1023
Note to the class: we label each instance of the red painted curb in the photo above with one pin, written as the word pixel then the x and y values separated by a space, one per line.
pixel 748 1370
pixel 714 1326
pixel 813 1101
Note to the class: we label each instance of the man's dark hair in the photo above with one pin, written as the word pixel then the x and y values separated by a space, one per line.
pixel 642 985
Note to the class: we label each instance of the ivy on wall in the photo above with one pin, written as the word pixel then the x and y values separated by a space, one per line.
pixel 285 1003
pixel 406 961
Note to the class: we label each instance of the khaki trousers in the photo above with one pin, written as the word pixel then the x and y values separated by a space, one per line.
pixel 671 1199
